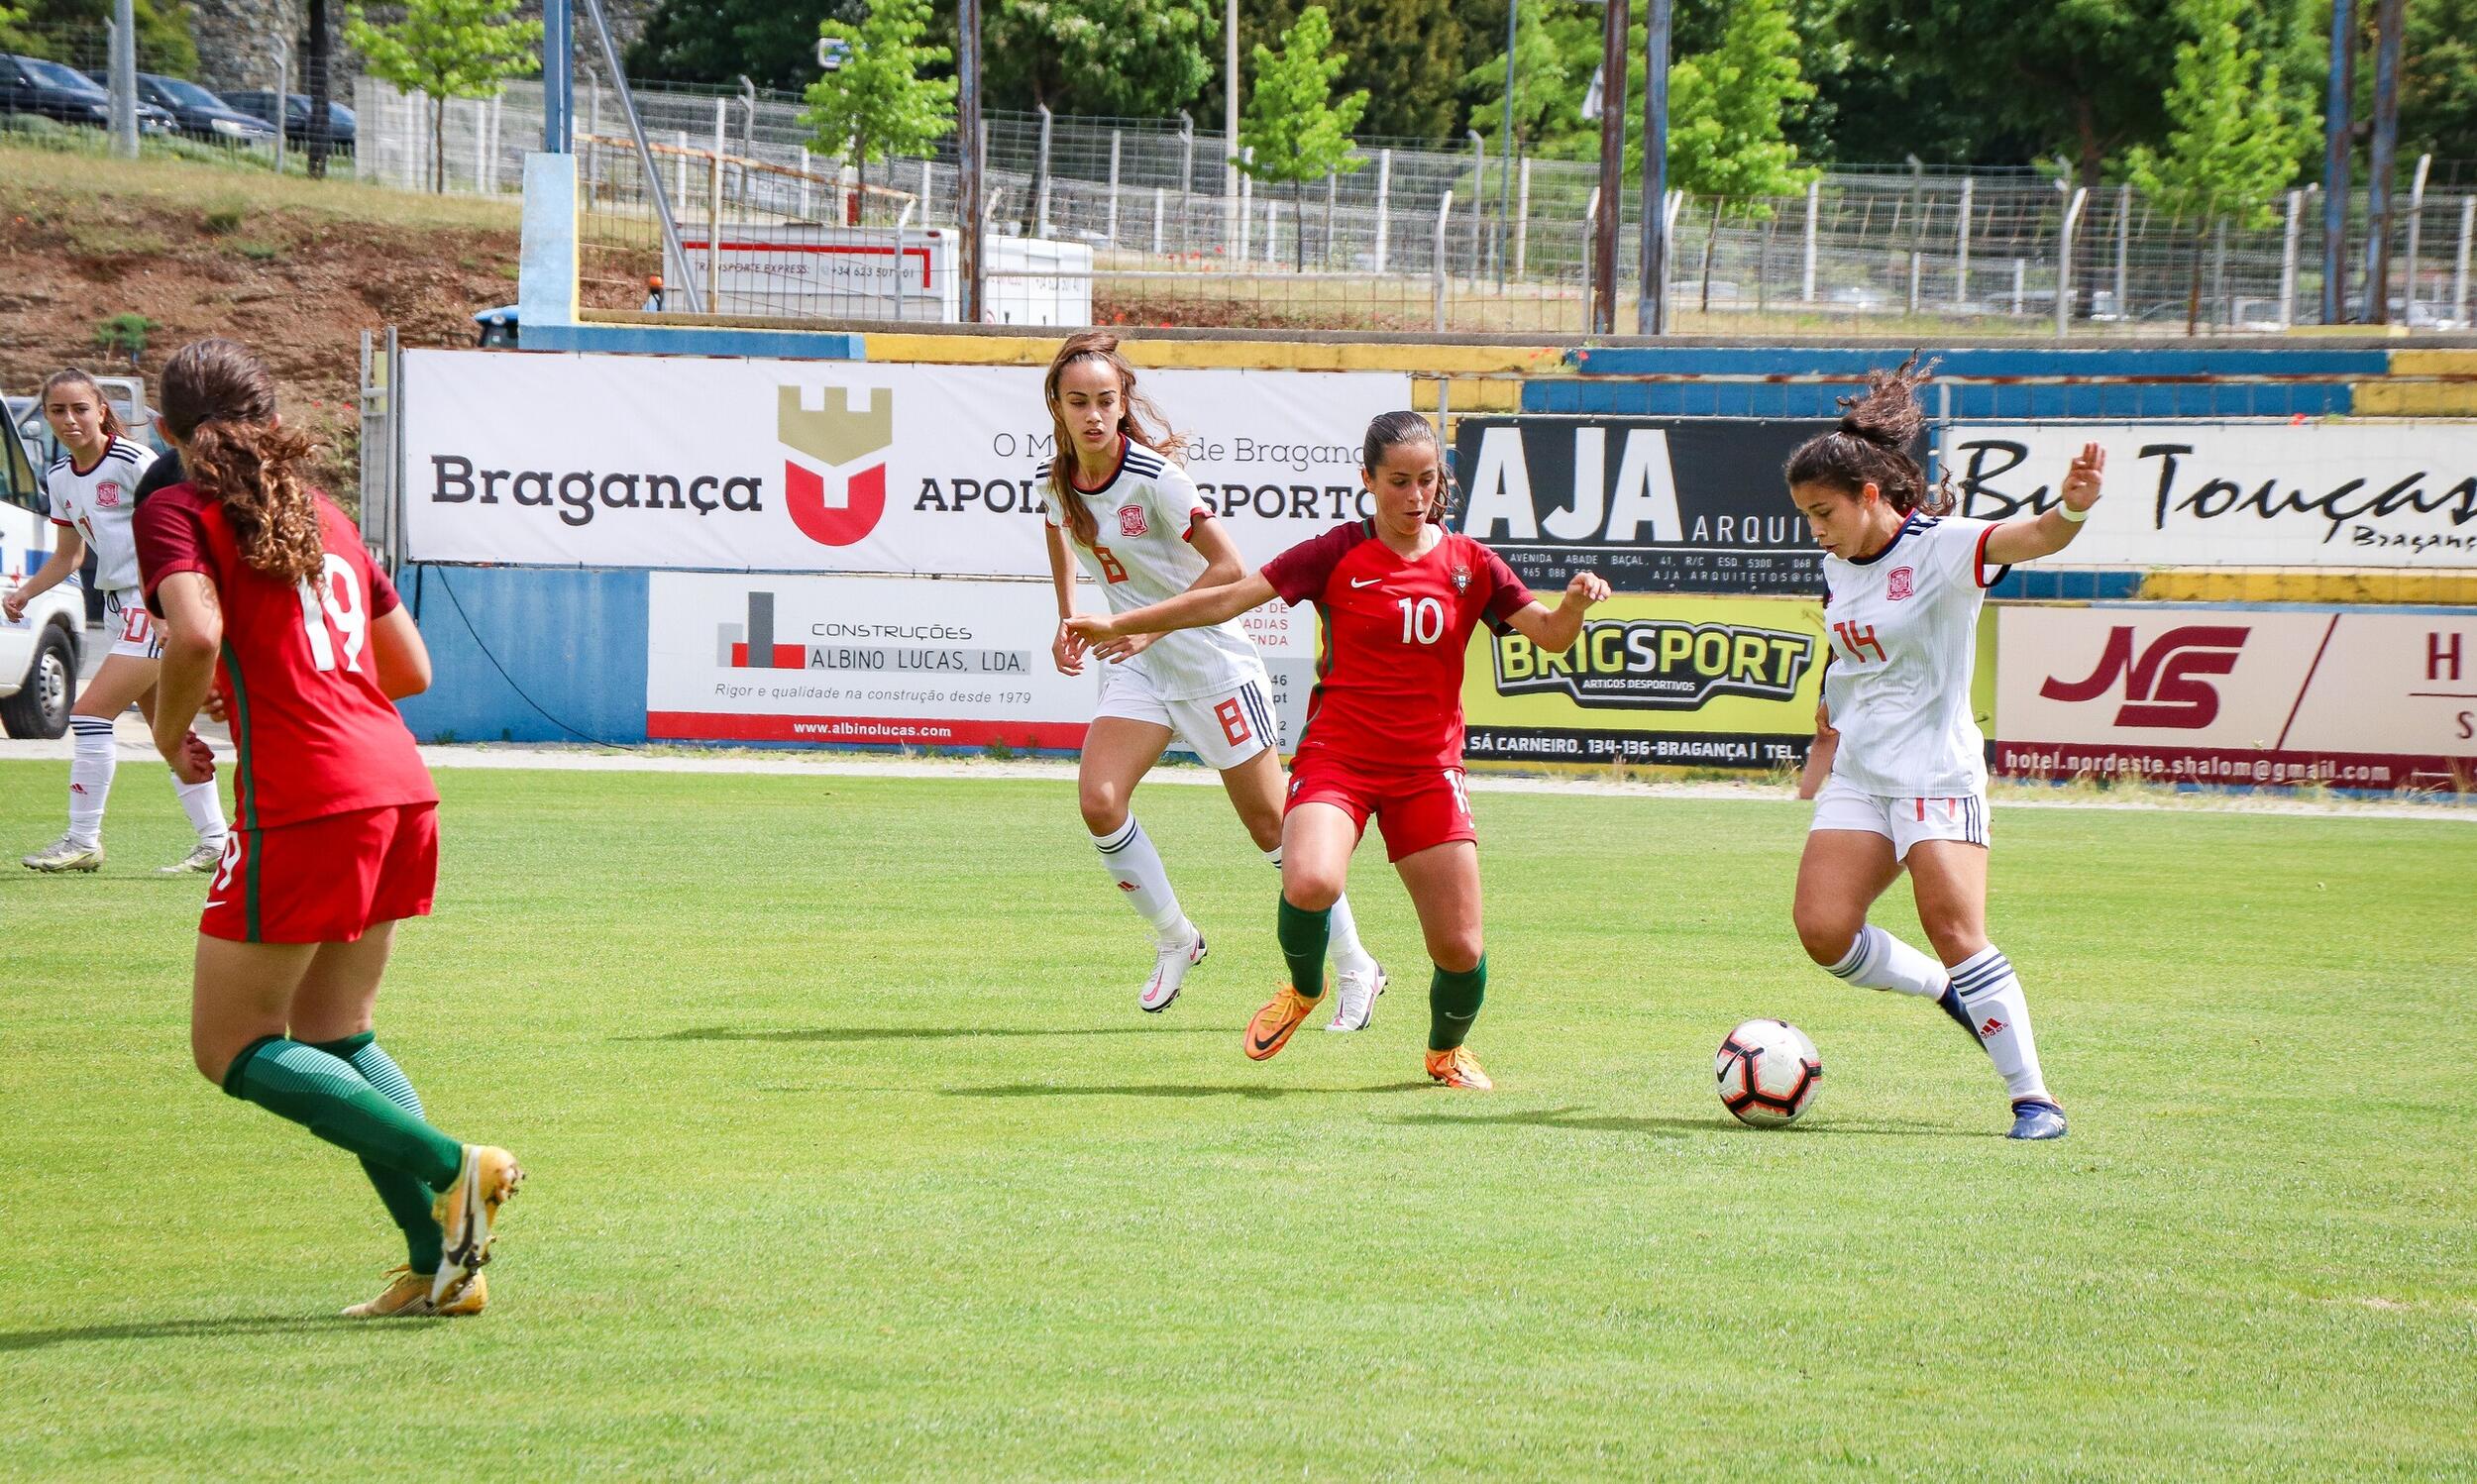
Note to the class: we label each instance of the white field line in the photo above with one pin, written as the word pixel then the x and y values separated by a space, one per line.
pixel 136 746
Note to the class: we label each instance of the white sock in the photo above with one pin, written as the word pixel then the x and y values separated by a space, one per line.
pixel 1343 930
pixel 204 809
pixel 1128 855
pixel 90 767
pixel 2001 1013
pixel 1878 960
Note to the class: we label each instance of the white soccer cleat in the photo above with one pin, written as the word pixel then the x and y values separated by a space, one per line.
pixel 1359 988
pixel 200 861
pixel 468 1217
pixel 66 854
pixel 1169 972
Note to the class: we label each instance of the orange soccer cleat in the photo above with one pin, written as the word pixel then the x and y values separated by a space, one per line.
pixel 1459 1068
pixel 1270 1030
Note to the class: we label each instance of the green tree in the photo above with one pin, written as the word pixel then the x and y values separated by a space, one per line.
pixel 2439 80
pixel 52 27
pixel 446 49
pixel 2086 77
pixel 2232 139
pixel 1294 131
pixel 1553 48
pixel 771 43
pixel 1408 56
pixel 877 103
pixel 1139 58
pixel 1728 109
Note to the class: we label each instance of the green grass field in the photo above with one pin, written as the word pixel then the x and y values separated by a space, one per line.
pixel 851 1155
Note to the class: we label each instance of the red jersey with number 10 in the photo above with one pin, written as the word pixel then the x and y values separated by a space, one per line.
pixel 314 733
pixel 1389 668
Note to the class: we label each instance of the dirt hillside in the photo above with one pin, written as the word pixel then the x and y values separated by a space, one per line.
pixel 295 269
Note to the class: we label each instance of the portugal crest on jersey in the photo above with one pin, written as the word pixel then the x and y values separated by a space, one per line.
pixel 1132 522
pixel 1462 579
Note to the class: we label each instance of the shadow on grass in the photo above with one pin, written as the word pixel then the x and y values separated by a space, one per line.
pixel 1576 1118
pixel 845 1034
pixel 1255 1091
pixel 37 1340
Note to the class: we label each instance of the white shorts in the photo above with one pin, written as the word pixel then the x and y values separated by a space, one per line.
pixel 130 627
pixel 1225 731
pixel 1903 821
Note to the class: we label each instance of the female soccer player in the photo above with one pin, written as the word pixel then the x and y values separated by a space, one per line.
pixel 1400 596
pixel 1898 771
pixel 1121 506
pixel 338 837
pixel 93 490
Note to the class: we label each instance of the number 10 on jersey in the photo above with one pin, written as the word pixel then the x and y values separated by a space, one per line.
pixel 1423 620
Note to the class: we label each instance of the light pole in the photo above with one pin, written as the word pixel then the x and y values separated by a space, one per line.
pixel 1229 99
pixel 1505 185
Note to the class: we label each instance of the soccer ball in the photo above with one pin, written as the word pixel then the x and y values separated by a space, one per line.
pixel 1768 1072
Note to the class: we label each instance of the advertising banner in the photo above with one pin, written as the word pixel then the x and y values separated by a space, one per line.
pixel 840 661
pixel 565 459
pixel 2361 699
pixel 1691 682
pixel 1652 504
pixel 2382 495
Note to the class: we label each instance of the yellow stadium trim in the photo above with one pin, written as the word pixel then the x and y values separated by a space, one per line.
pixel 2294 585
pixel 2433 363
pixel 2415 398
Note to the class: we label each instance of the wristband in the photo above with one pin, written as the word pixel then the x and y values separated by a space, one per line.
pixel 2070 514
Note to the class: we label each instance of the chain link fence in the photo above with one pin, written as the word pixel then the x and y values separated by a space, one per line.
pixel 1411 238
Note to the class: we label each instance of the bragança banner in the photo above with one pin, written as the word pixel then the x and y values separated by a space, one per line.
pixel 565 459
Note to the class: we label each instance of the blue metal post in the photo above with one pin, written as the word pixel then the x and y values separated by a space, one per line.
pixel 558 75
pixel 2335 128
pixel 2389 20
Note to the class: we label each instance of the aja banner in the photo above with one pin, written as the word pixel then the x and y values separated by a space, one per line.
pixel 1651 505
pixel 844 661
pixel 2383 494
pixel 2357 697
pixel 1691 682
pixel 565 459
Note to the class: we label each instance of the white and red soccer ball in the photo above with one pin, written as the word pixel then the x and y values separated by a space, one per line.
pixel 1768 1072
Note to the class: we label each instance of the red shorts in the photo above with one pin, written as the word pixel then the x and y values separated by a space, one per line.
pixel 325 881
pixel 1414 810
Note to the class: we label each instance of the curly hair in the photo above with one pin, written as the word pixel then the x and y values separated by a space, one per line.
pixel 70 375
pixel 220 400
pixel 1139 419
pixel 1872 444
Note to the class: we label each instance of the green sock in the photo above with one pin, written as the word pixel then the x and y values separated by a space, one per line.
pixel 324 1094
pixel 1303 935
pixel 406 1198
pixel 1453 1003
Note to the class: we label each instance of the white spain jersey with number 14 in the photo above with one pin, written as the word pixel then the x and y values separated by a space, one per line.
pixel 1142 554
pixel 1903 629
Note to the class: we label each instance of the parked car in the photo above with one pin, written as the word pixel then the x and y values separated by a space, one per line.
pixel 37 654
pixel 199 114
pixel 261 104
pixel 30 84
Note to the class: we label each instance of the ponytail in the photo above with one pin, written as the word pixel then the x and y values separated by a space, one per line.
pixel 1872 444
pixel 220 400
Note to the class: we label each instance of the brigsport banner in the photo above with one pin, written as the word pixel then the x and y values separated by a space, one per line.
pixel 2401 495
pixel 2351 697
pixel 844 661
pixel 1692 682
pixel 1651 504
pixel 540 459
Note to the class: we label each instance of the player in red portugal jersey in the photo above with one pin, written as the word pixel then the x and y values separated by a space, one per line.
pixel 1398 597
pixel 269 597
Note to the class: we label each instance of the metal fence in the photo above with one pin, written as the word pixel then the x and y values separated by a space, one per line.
pixel 1414 237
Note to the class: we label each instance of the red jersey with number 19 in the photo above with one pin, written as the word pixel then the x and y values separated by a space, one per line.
pixel 314 734
pixel 1389 670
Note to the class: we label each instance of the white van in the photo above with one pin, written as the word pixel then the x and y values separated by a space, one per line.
pixel 37 654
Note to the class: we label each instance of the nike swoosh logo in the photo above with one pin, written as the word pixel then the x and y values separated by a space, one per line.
pixel 1265 1044
pixel 214 901
pixel 1369 582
